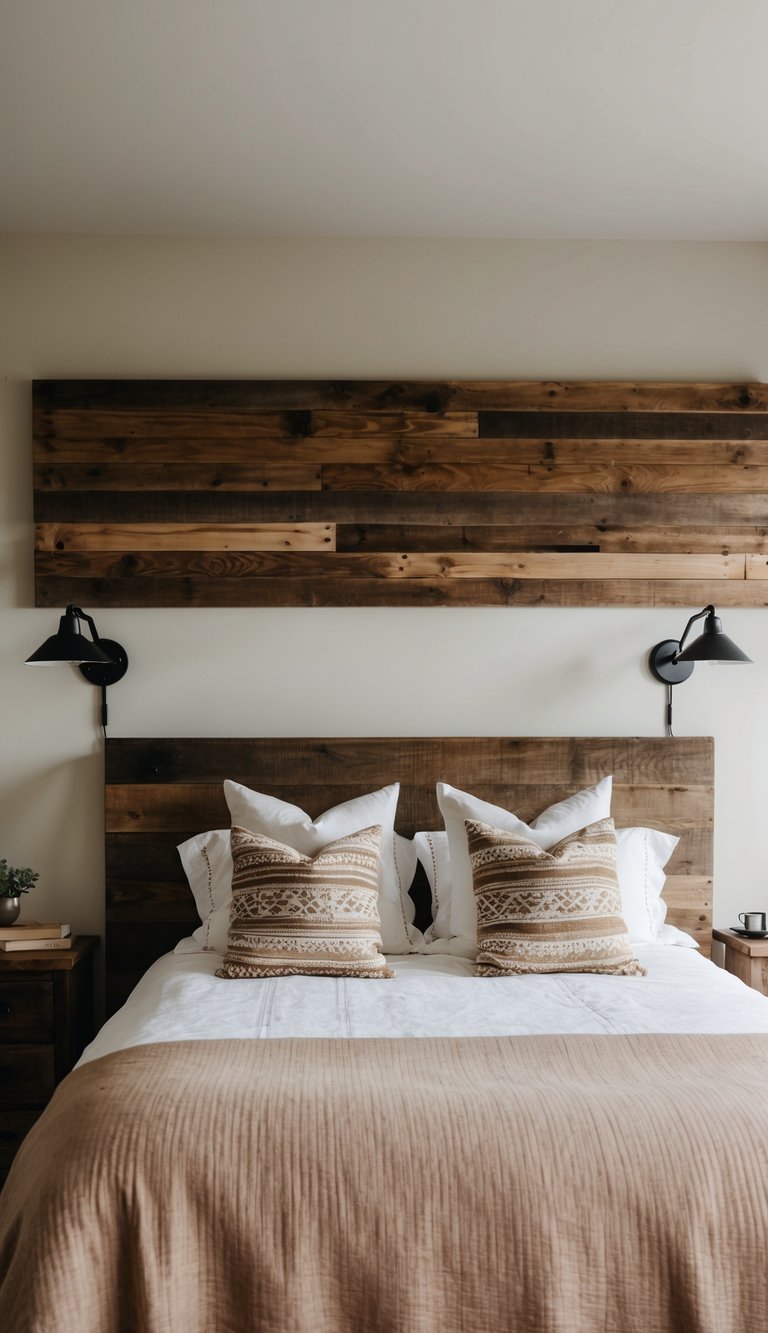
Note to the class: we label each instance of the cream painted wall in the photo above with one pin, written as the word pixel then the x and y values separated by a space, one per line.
pixel 119 307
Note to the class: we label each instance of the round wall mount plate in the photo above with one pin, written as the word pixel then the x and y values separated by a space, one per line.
pixel 664 667
pixel 106 673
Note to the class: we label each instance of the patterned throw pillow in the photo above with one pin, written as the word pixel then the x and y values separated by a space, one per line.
pixel 305 915
pixel 555 911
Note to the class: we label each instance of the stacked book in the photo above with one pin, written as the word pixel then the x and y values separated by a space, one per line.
pixel 34 935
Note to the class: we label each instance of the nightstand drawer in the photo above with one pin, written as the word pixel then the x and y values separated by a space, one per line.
pixel 27 1074
pixel 14 1127
pixel 46 1018
pixel 26 1009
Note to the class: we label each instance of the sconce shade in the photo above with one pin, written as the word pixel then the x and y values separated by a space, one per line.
pixel 712 645
pixel 68 645
pixel 101 661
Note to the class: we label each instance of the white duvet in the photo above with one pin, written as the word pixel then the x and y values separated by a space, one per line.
pixel 180 999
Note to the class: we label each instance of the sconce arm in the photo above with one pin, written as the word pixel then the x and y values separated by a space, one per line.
pixel 708 611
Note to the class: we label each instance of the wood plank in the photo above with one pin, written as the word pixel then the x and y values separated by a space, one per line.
pixel 689 907
pixel 138 811
pixel 262 395
pixel 152 900
pixel 571 452
pixel 339 424
pixel 500 537
pixel 682 804
pixel 236 565
pixel 607 423
pixel 173 478
pixel 179 477
pixel 552 478
pixel 416 449
pixel 694 852
pixel 687 891
pixel 147 857
pixel 90 537
pixel 132 946
pixel 733 541
pixel 542 537
pixel 298 449
pixel 757 567
pixel 517 762
pixel 94 425
pixel 146 809
pixel 54 591
pixel 631 396
pixel 554 565
pixel 55 451
pixel 448 509
pixel 380 395
pixel 88 559
pixel 134 808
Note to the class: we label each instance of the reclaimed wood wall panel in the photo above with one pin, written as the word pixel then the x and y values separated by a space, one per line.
pixel 365 493
pixel 161 791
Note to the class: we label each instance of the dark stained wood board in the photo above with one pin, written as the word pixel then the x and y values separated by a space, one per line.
pixel 161 791
pixel 366 493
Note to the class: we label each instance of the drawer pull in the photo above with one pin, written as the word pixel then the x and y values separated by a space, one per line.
pixel 5 1009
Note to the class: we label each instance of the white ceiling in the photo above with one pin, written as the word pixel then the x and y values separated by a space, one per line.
pixel 477 118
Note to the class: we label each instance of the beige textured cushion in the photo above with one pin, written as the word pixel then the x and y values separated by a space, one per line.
pixel 311 915
pixel 555 911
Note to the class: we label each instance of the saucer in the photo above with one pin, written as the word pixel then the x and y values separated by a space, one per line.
pixel 750 934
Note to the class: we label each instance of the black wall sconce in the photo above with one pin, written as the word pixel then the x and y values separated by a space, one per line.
pixel 101 661
pixel 672 663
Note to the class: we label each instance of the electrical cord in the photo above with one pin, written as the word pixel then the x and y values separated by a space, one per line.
pixel 669 711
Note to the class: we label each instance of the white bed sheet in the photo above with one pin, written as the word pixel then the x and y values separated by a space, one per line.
pixel 435 995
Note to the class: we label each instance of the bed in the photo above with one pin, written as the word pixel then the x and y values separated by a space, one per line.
pixel 441 1151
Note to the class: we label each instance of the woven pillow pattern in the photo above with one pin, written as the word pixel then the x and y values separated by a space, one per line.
pixel 305 915
pixel 549 911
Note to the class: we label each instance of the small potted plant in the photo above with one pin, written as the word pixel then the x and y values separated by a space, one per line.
pixel 14 881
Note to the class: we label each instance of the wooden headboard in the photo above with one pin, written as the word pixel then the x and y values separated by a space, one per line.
pixel 159 792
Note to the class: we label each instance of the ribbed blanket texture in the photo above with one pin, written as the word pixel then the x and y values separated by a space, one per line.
pixel 574 1184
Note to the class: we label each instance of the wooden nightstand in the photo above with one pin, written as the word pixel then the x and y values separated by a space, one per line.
pixel 46 1018
pixel 746 959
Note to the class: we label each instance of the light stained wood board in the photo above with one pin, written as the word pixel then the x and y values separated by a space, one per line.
pixel 122 537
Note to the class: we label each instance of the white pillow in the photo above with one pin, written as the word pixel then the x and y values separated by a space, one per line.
pixel 641 857
pixel 207 859
pixel 642 854
pixel 207 862
pixel 456 914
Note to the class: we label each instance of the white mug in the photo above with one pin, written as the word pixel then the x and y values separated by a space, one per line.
pixel 753 920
